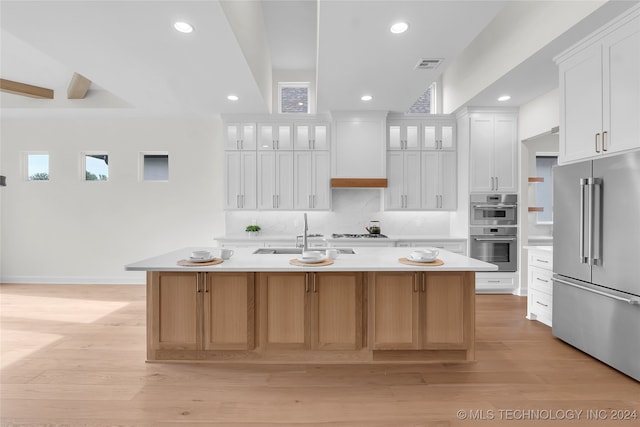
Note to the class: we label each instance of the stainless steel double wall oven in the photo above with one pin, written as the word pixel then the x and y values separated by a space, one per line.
pixel 493 229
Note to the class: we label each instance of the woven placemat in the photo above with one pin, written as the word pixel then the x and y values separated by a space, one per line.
pixel 185 263
pixel 435 263
pixel 327 261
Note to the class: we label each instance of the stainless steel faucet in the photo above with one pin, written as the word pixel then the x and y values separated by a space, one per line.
pixel 305 245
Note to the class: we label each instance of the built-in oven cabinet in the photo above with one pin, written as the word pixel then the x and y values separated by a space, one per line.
pixel 493 141
pixel 493 209
pixel 495 245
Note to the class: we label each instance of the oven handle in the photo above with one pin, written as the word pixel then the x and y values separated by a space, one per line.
pixel 495 239
pixel 494 206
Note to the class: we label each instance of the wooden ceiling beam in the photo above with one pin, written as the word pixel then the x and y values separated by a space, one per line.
pixel 78 87
pixel 24 89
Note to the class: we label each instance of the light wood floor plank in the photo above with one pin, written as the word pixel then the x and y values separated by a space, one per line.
pixel 86 368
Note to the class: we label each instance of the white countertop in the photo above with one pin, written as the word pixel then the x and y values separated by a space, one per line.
pixel 271 237
pixel 365 259
pixel 539 248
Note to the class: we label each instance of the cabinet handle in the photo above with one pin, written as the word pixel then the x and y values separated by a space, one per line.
pixel 604 141
pixel 313 144
pixel 422 283
pixel 542 260
pixel 492 183
pixel 542 280
pixel 313 205
pixel 315 285
pixel 306 282
pixel 597 135
pixel 497 184
pixel 544 305
pixel 242 201
pixel 277 201
pixel 415 282
pixel 309 200
pixel 237 201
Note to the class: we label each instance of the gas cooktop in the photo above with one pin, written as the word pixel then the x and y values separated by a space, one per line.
pixel 359 236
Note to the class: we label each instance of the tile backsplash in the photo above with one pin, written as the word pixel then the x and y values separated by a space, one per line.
pixel 352 209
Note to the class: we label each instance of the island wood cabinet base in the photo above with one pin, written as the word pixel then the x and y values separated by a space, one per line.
pixel 311 317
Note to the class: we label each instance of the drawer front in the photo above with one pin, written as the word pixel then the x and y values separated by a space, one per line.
pixel 540 280
pixel 541 260
pixel 541 306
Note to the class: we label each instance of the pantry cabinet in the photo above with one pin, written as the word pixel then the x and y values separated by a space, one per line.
pixel 311 311
pixel 200 311
pixel 493 152
pixel 439 180
pixel 311 136
pixel 600 92
pixel 311 184
pixel 420 311
pixel 240 180
pixel 404 180
pixel 275 136
pixel 240 136
pixel 275 183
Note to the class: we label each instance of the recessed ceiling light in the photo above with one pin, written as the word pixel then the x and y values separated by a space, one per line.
pixel 183 27
pixel 399 27
pixel 504 98
pixel 366 97
pixel 232 97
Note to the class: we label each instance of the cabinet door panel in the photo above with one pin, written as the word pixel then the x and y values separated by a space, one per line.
pixel 249 180
pixel 321 137
pixel 302 137
pixel 284 178
pixel 622 71
pixel 229 311
pixel 447 137
pixel 412 179
pixel 581 115
pixel 481 156
pixel 267 183
pixel 337 311
pixel 505 152
pixel 448 180
pixel 303 182
pixel 444 311
pixel 412 136
pixel 393 299
pixel 321 180
pixel 430 138
pixel 284 316
pixel 284 137
pixel 430 179
pixel 395 188
pixel 233 181
pixel 177 310
pixel 267 138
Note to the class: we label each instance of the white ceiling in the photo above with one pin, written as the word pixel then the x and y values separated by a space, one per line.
pixel 140 65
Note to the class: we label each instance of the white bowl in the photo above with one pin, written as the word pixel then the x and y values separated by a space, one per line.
pixel 312 255
pixel 423 255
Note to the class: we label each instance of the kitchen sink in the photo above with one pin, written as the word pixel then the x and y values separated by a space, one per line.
pixel 279 251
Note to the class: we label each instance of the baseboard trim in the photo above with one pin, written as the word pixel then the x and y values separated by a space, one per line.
pixel 75 280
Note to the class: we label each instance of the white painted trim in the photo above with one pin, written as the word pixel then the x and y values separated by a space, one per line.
pixel 76 280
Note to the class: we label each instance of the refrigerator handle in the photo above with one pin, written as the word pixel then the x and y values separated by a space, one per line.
pixel 583 184
pixel 594 229
pixel 631 301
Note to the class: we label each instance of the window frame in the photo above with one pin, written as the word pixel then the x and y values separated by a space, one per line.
pixel 25 163
pixel 141 160
pixel 83 165
pixel 283 85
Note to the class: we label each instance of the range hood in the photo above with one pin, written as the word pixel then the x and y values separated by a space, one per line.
pixel 359 151
pixel 359 183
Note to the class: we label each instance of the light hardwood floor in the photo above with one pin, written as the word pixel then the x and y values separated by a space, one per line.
pixel 73 355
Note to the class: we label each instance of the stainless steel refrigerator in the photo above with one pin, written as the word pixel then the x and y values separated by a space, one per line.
pixel 596 259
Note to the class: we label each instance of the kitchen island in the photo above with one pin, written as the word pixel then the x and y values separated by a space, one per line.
pixel 365 307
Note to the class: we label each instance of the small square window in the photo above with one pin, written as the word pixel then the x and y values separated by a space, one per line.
pixel 96 166
pixel 154 166
pixel 37 166
pixel 293 97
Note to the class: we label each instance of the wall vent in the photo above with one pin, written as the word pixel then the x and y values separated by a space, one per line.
pixel 428 64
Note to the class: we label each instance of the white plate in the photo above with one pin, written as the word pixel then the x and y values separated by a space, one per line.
pixel 311 260
pixel 192 259
pixel 420 259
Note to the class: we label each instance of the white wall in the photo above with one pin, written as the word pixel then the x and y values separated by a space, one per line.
pixel 70 231
pixel 539 115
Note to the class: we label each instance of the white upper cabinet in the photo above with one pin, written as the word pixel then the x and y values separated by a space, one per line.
pixel 240 136
pixel 240 179
pixel 600 92
pixel 404 185
pixel 311 136
pixel 439 135
pixel 403 135
pixel 493 152
pixel 439 180
pixel 275 183
pixel 311 180
pixel 275 136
